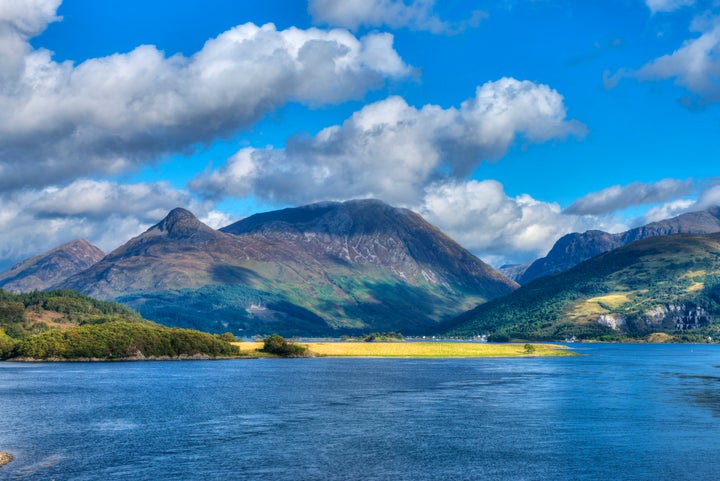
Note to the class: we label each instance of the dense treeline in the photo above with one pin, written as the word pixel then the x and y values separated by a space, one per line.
pixel 376 337
pixel 74 308
pixel 102 330
pixel 119 340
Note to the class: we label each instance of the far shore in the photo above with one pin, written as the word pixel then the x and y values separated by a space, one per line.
pixel 5 458
pixel 382 349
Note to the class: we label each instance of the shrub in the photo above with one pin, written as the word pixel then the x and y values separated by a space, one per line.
pixel 498 338
pixel 279 346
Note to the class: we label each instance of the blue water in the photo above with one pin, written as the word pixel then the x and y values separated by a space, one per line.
pixel 620 412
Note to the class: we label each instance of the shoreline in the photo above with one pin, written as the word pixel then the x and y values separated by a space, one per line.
pixel 181 358
pixel 5 458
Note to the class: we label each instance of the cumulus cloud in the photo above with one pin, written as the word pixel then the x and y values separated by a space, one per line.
pixel 106 115
pixel 105 213
pixel 498 228
pixel 21 20
pixel 656 6
pixel 694 66
pixel 416 15
pixel 706 194
pixel 393 151
pixel 618 197
pixel 709 197
pixel 667 211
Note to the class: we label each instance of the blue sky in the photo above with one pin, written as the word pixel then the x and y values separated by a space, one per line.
pixel 505 123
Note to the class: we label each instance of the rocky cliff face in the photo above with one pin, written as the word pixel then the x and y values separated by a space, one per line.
pixel 574 248
pixel 677 317
pixel 45 270
pixel 661 318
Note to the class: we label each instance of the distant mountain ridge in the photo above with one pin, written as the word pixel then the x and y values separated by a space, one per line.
pixel 318 269
pixel 574 248
pixel 45 270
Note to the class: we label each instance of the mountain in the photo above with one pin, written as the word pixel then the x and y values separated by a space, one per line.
pixel 178 252
pixel 42 271
pixel 321 269
pixel 665 284
pixel 513 271
pixel 574 248
pixel 371 234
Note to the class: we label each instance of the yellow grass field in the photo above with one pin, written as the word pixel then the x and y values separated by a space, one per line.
pixel 419 349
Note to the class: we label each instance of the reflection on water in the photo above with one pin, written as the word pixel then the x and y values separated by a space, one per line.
pixel 704 390
pixel 618 412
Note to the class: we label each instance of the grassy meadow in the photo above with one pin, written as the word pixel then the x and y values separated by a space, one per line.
pixel 418 349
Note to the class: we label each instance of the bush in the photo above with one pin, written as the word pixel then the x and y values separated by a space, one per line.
pixel 228 337
pixel 279 346
pixel 7 345
pixel 498 338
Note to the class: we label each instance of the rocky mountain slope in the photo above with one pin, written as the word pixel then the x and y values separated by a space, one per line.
pixel 320 269
pixel 667 284
pixel 574 248
pixel 45 270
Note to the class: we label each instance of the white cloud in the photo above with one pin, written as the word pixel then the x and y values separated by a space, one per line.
pixel 106 115
pixel 667 211
pixel 416 15
pixel 21 20
pixel 616 198
pixel 498 228
pixel 393 151
pixel 709 197
pixel 656 6
pixel 695 65
pixel 105 213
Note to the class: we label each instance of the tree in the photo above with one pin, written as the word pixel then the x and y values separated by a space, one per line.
pixel 278 345
pixel 228 337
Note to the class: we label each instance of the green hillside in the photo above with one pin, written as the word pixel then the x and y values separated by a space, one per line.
pixel 667 284
pixel 68 325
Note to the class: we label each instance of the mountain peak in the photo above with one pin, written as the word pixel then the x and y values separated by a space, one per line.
pixel 182 224
pixel 178 217
pixel 45 270
pixel 340 218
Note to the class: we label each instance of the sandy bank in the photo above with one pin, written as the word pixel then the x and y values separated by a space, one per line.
pixel 5 458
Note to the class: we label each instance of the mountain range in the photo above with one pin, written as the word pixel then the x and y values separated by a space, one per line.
pixel 360 266
pixel 574 248
pixel 321 269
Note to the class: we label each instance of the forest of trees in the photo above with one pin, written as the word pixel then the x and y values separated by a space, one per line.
pixel 101 330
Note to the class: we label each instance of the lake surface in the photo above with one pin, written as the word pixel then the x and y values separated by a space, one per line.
pixel 622 412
